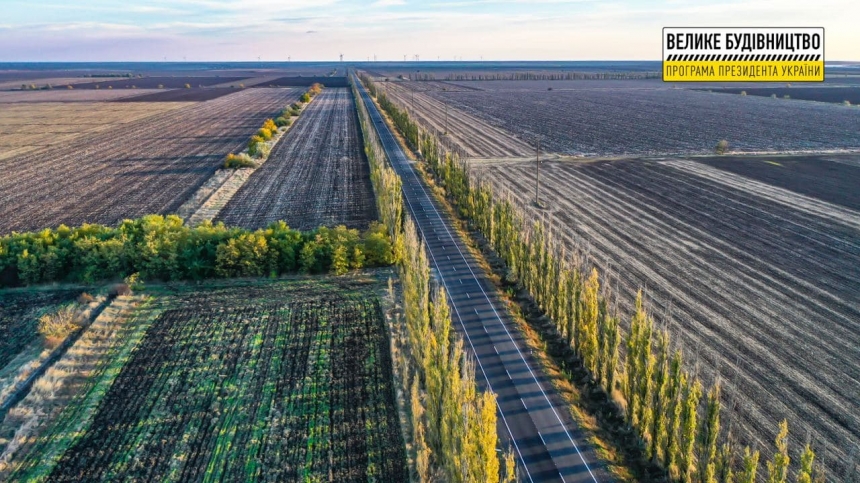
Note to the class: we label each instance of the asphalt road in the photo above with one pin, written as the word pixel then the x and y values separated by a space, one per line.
pixel 546 441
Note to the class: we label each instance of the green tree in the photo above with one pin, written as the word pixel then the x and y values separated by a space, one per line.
pixel 777 468
pixel 339 260
pixel 807 461
pixel 747 474
pixel 686 462
pixel 708 434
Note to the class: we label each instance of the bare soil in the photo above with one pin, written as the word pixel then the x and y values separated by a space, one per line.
pixel 755 282
pixel 148 167
pixel 316 176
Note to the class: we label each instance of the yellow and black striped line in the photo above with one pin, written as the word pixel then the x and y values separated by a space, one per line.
pixel 743 57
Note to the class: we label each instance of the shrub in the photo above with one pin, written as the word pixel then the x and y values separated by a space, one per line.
pixel 743 93
pixel 263 151
pixel 85 298
pixel 264 133
pixel 270 125
pixel 846 102
pixel 722 147
pixel 110 87
pixel 296 106
pixel 161 86
pixel 234 161
pixel 305 98
pixel 70 86
pixel 57 326
pixel 254 145
pixel 773 96
pixel 786 96
pixel 241 86
pixel 188 86
pixel 282 122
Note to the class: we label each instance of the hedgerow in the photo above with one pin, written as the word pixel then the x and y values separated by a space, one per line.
pixel 164 248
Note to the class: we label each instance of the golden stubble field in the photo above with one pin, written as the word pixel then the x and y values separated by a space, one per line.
pixel 25 127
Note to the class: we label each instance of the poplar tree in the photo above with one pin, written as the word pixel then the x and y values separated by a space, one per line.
pixel 725 464
pixel 588 323
pixel 807 460
pixel 750 467
pixel 674 411
pixel 422 451
pixel 708 437
pixel 660 402
pixel 777 468
pixel 688 430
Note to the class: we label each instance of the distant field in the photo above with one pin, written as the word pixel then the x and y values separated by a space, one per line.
pixel 607 122
pixel 824 93
pixel 165 82
pixel 758 284
pixel 831 178
pixel 470 135
pixel 67 95
pixel 149 166
pixel 27 127
pixel 316 176
pixel 271 381
pixel 180 95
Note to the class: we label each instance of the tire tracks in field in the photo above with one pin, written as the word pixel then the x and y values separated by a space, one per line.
pixel 473 135
pixel 317 176
pixel 705 249
pixel 151 166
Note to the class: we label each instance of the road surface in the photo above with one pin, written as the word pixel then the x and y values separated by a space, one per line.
pixel 545 439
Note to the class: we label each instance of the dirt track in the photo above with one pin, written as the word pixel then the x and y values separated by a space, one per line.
pixel 762 283
pixel 315 176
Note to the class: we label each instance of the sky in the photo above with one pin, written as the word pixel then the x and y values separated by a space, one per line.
pixel 275 30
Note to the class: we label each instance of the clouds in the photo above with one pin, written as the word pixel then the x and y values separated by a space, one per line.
pixel 494 29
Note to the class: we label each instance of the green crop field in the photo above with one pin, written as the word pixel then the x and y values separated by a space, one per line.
pixel 242 381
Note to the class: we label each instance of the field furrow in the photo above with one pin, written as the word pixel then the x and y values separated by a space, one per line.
pixel 756 285
pixel 316 176
pixel 150 166
pixel 291 383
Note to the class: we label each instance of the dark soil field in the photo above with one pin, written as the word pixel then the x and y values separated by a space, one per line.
pixel 181 95
pixel 19 316
pixel 306 81
pixel 150 166
pixel 758 285
pixel 283 381
pixel 836 95
pixel 631 121
pixel 316 176
pixel 155 82
pixel 831 178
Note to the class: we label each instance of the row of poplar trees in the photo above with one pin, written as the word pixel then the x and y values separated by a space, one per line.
pixel 452 425
pixel 676 419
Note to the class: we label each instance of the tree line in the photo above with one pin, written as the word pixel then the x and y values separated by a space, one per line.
pixel 676 419
pixel 257 147
pixel 164 248
pixel 452 424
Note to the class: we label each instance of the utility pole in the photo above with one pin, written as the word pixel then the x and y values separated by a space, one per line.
pixel 537 176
